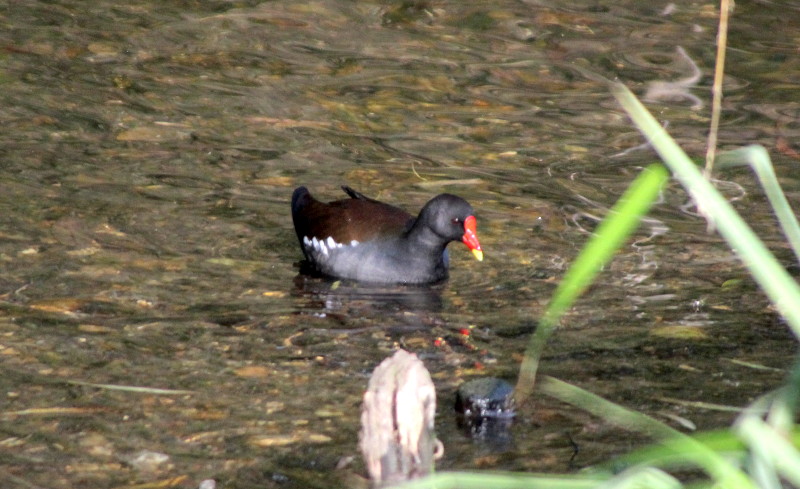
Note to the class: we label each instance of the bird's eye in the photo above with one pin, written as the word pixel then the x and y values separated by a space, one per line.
pixel 456 220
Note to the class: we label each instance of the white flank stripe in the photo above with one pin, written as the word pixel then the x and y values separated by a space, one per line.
pixel 325 246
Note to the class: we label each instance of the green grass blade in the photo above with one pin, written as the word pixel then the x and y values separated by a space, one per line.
pixel 609 236
pixel 782 290
pixel 642 478
pixel 502 480
pixel 758 159
pixel 635 478
pixel 676 454
pixel 724 472
pixel 772 446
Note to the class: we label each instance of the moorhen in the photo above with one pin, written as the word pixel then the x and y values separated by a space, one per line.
pixel 363 239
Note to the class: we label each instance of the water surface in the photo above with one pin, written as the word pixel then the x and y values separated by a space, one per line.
pixel 148 156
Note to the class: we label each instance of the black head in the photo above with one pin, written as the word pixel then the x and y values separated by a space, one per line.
pixel 450 218
pixel 445 215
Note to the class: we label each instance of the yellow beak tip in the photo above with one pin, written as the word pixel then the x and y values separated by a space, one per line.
pixel 478 254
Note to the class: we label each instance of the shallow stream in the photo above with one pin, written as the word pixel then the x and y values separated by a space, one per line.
pixel 147 158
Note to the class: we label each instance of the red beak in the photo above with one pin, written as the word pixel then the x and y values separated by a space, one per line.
pixel 470 237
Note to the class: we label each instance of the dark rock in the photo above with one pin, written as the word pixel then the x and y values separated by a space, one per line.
pixel 485 409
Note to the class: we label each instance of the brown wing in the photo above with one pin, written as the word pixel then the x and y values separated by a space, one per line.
pixel 357 218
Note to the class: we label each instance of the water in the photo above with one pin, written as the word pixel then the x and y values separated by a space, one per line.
pixel 148 157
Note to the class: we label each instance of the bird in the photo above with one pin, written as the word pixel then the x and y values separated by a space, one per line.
pixel 366 240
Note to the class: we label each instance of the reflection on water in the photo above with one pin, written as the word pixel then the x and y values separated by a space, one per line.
pixel 329 296
pixel 147 240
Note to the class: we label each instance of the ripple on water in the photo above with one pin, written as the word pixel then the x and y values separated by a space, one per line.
pixel 147 238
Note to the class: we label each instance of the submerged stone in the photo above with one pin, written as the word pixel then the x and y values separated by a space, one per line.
pixel 485 408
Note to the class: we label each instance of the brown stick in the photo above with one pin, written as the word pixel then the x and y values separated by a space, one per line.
pixel 397 435
pixel 716 90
